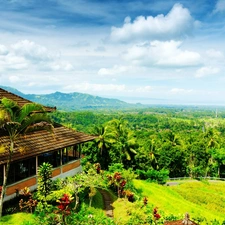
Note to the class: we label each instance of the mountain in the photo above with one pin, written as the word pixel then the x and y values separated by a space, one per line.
pixel 74 101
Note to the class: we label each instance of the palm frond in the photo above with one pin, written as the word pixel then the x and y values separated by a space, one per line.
pixel 3 117
pixel 127 155
pixel 29 108
pixel 32 119
pixel 10 107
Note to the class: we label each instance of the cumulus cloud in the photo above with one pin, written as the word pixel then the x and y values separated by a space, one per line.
pixel 206 71
pixel 160 54
pixel 12 62
pixel 219 7
pixel 26 54
pixel 32 51
pixel 176 24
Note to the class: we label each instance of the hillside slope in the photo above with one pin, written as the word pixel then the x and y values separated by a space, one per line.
pixel 200 199
pixel 74 101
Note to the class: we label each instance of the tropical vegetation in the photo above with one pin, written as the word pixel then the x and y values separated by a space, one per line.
pixel 134 155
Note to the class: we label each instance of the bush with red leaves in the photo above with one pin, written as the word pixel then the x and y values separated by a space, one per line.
pixel 156 214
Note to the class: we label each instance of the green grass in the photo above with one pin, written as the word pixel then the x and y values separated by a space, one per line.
pixel 18 219
pixel 200 199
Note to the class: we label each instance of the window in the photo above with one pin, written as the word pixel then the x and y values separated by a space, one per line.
pixel 70 154
pixel 1 175
pixel 21 170
pixel 51 157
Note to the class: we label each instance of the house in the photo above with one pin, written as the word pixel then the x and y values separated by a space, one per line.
pixel 61 150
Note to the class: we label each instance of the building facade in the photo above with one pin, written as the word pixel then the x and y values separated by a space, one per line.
pixel 60 148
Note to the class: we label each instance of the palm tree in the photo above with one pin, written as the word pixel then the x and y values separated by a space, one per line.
pixel 103 142
pixel 105 137
pixel 124 139
pixel 212 137
pixel 16 121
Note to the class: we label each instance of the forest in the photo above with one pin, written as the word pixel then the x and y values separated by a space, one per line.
pixel 183 141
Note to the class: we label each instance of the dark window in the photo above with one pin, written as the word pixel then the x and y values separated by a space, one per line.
pixel 70 154
pixel 21 170
pixel 51 157
pixel 1 175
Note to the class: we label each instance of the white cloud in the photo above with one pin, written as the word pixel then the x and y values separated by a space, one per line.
pixel 212 53
pixel 206 71
pixel 88 87
pixel 162 54
pixel 112 71
pixel 27 55
pixel 32 51
pixel 176 24
pixel 3 50
pixel 145 89
pixel 60 65
pixel 14 79
pixel 12 62
pixel 109 89
pixel 220 6
pixel 180 91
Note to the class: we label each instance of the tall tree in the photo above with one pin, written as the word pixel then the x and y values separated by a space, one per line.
pixel 124 140
pixel 16 121
pixel 212 138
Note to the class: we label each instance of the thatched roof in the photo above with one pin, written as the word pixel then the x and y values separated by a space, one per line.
pixel 42 141
pixel 20 101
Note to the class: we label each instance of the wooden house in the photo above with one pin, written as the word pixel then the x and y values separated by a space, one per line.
pixel 61 150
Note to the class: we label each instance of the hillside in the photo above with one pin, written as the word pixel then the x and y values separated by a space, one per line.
pixel 203 200
pixel 74 101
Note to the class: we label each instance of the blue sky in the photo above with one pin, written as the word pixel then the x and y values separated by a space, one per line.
pixel 148 51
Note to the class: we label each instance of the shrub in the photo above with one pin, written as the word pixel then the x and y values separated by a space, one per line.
pixel 44 180
pixel 156 176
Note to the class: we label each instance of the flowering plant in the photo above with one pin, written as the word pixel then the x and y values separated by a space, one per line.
pixel 64 204
pixel 118 181
pixel 156 214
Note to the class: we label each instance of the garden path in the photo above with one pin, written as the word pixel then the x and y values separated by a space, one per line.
pixel 107 203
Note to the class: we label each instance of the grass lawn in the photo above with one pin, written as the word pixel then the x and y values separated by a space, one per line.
pixel 17 219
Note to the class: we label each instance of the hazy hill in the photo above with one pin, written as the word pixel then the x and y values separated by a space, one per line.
pixel 74 101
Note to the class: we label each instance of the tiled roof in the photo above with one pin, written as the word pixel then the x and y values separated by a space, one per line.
pixel 20 101
pixel 39 142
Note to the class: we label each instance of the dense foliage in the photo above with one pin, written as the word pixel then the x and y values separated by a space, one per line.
pixel 185 141
pixel 133 151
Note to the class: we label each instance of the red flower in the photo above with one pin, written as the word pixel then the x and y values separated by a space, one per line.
pixel 157 216
pixel 155 213
pixel 61 207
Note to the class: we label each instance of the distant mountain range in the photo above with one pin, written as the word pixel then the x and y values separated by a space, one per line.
pixel 75 101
